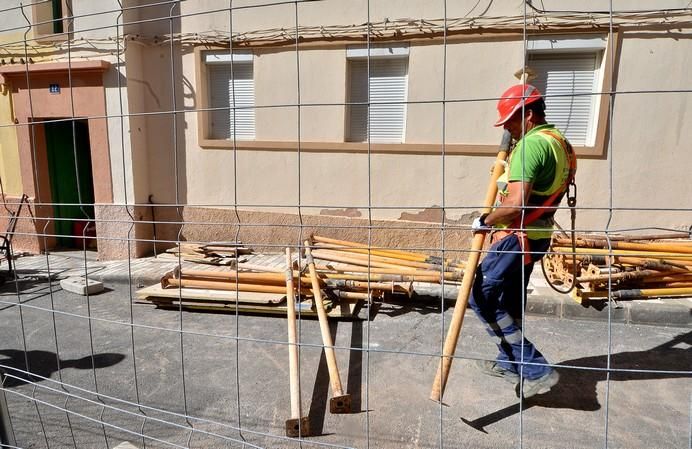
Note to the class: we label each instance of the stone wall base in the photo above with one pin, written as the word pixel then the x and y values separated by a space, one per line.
pixel 138 231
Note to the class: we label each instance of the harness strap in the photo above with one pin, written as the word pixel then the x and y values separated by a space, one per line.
pixel 546 206
pixel 549 203
pixel 521 236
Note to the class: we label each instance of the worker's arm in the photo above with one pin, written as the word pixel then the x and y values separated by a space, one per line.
pixel 512 204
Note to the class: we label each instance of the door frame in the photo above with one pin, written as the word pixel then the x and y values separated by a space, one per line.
pixel 81 95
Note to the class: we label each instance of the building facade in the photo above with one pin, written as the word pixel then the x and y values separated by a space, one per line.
pixel 265 121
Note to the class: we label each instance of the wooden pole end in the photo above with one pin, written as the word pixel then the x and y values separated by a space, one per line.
pixel 340 404
pixel 298 427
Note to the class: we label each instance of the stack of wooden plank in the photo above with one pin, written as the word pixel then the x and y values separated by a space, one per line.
pixel 214 253
pixel 357 261
pixel 622 267
pixel 241 291
pixel 350 274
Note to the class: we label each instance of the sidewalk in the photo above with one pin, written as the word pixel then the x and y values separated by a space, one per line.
pixel 542 300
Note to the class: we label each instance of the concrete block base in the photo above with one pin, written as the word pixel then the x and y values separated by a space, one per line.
pixel 81 286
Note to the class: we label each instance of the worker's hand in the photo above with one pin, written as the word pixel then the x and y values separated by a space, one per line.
pixel 479 225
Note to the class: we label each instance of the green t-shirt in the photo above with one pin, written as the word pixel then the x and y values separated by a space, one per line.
pixel 532 160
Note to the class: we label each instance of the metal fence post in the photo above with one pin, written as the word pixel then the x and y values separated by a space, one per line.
pixel 6 431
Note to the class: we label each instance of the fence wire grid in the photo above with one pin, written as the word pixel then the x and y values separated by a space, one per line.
pixel 133 128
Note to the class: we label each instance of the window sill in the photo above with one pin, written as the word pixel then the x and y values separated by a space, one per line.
pixel 379 148
pixel 54 37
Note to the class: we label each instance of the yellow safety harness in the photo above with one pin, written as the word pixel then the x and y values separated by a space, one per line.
pixel 550 204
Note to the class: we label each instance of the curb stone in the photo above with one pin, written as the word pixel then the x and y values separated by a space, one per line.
pixel 671 312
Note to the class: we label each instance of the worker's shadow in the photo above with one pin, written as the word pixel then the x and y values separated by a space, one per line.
pixel 42 364
pixel 396 305
pixel 579 377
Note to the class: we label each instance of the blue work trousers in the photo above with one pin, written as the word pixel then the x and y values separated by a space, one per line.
pixel 496 297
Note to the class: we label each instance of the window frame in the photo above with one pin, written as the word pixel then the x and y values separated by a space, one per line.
pixel 45 22
pixel 204 100
pixel 395 51
pixel 597 151
pixel 574 45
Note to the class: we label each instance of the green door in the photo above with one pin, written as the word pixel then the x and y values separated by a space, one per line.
pixel 72 186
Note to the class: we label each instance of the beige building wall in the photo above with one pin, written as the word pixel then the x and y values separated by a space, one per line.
pixel 214 14
pixel 11 22
pixel 405 185
pixel 91 37
pixel 9 155
pixel 641 167
pixel 647 160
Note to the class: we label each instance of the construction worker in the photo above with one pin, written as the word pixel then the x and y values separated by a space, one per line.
pixel 540 168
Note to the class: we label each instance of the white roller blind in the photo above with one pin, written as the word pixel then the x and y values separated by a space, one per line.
pixel 388 81
pixel 222 90
pixel 572 77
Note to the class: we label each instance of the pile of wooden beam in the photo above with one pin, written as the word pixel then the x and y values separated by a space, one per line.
pixel 241 291
pixel 349 274
pixel 214 253
pixel 622 267
pixel 360 262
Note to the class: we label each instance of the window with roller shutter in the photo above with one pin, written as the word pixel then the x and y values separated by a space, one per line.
pixel 386 77
pixel 568 75
pixel 231 96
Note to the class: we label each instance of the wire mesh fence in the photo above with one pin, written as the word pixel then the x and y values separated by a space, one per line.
pixel 182 145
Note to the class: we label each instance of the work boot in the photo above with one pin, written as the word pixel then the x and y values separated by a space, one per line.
pixel 491 368
pixel 543 384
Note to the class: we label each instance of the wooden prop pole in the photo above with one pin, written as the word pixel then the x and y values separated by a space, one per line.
pixel 388 252
pixel 640 262
pixel 341 268
pixel 276 277
pixel 199 279
pixel 672 284
pixel 450 344
pixel 364 285
pixel 389 258
pixel 336 256
pixel 673 247
pixel 215 285
pixel 260 268
pixel 339 402
pixel 356 296
pixel 639 238
pixel 252 278
pixel 298 425
pixel 650 292
pixel 380 277
pixel 375 258
pixel 623 276
pixel 673 277
pixel 680 256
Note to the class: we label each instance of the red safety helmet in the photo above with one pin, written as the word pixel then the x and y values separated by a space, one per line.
pixel 513 99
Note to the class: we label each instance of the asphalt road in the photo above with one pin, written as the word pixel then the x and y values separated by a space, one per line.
pixel 226 373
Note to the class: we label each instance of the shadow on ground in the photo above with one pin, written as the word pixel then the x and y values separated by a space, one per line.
pixel 22 367
pixel 579 378
pixel 26 279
